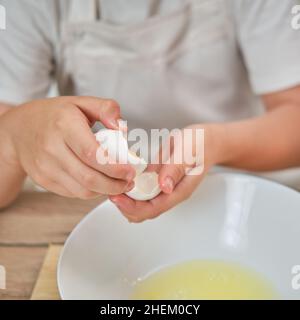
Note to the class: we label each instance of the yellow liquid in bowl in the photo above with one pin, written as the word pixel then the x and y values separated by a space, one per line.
pixel 204 279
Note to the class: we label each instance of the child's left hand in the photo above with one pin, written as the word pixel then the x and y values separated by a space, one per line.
pixel 176 185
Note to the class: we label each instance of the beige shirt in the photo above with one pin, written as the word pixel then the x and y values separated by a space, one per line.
pixel 168 63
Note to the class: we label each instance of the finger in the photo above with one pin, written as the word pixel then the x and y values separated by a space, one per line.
pixel 176 168
pixel 50 172
pixel 138 211
pixel 52 186
pixel 169 176
pixel 78 191
pixel 171 171
pixel 153 167
pixel 90 178
pixel 163 156
pixel 155 163
pixel 105 110
pixel 182 192
pixel 134 211
pixel 82 142
pixel 59 190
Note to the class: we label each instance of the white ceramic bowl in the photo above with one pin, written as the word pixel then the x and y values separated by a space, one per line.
pixel 232 217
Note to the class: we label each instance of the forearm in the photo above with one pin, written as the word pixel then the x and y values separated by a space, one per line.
pixel 4 107
pixel 269 142
pixel 11 174
pixel 12 178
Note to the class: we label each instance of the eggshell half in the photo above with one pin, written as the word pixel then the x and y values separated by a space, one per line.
pixel 146 183
pixel 146 187
pixel 138 163
pixel 114 143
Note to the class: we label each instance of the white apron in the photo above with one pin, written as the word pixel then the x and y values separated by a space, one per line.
pixel 168 71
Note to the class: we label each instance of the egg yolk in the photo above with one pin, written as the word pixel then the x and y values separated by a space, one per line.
pixel 204 279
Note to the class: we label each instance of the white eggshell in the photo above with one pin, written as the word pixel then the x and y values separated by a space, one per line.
pixel 138 163
pixel 114 142
pixel 146 183
pixel 146 187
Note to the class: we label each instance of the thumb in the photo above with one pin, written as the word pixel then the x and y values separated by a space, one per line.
pixel 171 171
pixel 170 175
pixel 104 110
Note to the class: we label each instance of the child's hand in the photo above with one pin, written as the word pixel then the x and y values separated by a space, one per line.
pixel 52 142
pixel 174 181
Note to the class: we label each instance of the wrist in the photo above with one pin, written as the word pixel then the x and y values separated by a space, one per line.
pixel 8 156
pixel 216 149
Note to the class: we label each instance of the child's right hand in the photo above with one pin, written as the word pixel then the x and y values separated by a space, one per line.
pixel 51 141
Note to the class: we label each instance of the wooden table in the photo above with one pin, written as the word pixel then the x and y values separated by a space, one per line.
pixel 34 221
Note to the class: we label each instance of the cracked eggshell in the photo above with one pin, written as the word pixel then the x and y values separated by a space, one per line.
pixel 138 163
pixel 146 187
pixel 114 143
pixel 146 183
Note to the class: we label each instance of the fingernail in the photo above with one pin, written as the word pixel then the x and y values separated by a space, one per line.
pixel 122 125
pixel 113 123
pixel 130 186
pixel 168 185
